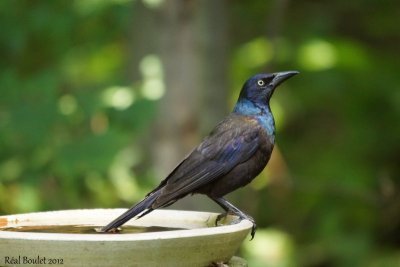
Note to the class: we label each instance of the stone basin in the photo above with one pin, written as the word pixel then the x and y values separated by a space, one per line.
pixel 193 241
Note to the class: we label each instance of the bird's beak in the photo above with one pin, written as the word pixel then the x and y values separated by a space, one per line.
pixel 280 77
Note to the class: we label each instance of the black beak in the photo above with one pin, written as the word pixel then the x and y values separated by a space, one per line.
pixel 280 77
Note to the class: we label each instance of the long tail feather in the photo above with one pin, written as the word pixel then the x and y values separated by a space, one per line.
pixel 140 209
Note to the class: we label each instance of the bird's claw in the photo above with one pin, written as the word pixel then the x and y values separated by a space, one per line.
pixel 253 230
pixel 241 217
pixel 111 231
pixel 220 217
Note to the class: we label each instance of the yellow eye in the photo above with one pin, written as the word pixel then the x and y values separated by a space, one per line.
pixel 260 82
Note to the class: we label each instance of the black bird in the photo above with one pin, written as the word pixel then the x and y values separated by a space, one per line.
pixel 231 156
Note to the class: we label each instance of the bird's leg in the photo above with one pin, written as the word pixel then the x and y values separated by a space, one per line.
pixel 222 215
pixel 229 207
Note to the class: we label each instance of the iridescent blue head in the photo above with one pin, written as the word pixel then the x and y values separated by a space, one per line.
pixel 255 95
pixel 259 88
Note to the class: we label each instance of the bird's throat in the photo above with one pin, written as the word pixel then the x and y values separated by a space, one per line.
pixel 261 112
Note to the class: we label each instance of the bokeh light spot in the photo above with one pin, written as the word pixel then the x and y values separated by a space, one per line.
pixel 118 97
pixel 317 55
pixel 271 247
pixel 255 53
pixel 67 104
pixel 153 87
pixel 121 174
pixel 153 3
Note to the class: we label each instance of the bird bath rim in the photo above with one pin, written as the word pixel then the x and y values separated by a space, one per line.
pixel 166 217
pixel 201 245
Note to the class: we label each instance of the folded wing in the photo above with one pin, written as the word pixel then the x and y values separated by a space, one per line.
pixel 232 142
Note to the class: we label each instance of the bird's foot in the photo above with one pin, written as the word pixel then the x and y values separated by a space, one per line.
pixel 111 231
pixel 220 217
pixel 253 228
pixel 241 216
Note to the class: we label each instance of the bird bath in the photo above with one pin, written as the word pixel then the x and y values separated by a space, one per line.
pixel 162 238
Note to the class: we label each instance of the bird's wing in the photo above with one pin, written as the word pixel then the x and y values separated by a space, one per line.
pixel 233 141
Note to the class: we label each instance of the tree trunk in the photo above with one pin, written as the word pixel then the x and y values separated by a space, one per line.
pixel 193 50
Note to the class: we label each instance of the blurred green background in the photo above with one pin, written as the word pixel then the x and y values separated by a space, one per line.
pixel 99 99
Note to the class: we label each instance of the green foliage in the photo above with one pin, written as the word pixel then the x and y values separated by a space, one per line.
pixel 59 133
pixel 72 120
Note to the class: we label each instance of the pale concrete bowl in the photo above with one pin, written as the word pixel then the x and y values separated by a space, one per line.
pixel 200 245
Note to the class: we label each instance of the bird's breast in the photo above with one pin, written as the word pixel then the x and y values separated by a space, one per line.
pixel 268 124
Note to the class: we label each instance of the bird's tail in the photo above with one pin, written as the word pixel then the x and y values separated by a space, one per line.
pixel 140 209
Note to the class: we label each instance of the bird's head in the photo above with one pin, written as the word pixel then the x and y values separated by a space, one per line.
pixel 260 87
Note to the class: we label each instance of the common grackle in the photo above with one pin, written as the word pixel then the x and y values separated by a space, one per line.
pixel 231 156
